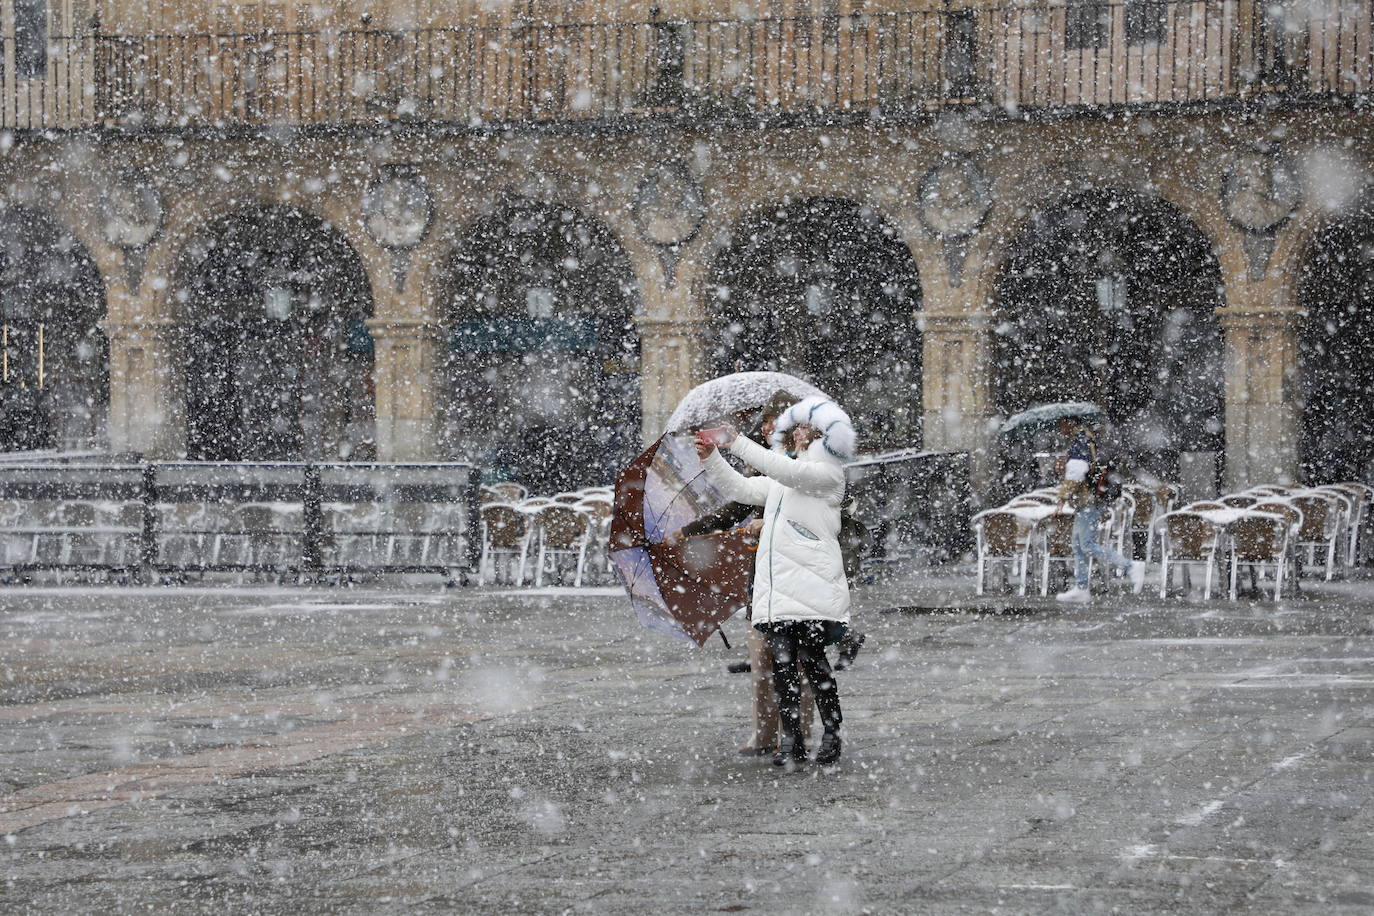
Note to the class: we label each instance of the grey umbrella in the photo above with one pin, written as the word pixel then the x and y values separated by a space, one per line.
pixel 1043 416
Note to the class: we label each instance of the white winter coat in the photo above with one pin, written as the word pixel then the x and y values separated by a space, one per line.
pixel 798 571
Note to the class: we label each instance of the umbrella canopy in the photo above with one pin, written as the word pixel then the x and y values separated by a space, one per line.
pixel 1044 416
pixel 710 402
pixel 686 590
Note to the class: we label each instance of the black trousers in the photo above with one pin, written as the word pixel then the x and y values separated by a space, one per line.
pixel 801 643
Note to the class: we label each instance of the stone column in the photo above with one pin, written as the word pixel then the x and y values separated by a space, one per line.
pixel 1262 418
pixel 954 387
pixel 672 362
pixel 147 391
pixel 406 375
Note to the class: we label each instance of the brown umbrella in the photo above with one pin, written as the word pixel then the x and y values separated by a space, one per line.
pixel 691 588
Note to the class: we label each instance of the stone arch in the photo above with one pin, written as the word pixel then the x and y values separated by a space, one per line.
pixel 277 357
pixel 825 288
pixel 541 352
pixel 1336 348
pixel 1108 295
pixel 56 365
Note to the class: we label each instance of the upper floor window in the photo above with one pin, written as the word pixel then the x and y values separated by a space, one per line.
pixel 1085 24
pixel 1145 21
pixel 31 38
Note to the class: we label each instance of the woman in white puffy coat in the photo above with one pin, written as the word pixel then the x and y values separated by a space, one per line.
pixel 799 581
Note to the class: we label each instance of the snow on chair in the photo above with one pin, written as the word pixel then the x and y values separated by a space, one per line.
pixel 1001 535
pixel 505 530
pixel 1187 539
pixel 508 490
pixel 1259 540
pixel 563 531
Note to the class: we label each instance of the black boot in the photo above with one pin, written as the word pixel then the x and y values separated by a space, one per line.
pixel 849 649
pixel 829 751
pixel 791 751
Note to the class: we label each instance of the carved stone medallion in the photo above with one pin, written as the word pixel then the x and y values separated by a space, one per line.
pixel 131 212
pixel 668 205
pixel 130 218
pixel 397 209
pixel 1260 190
pixel 954 198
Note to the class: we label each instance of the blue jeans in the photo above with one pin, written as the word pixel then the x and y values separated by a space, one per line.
pixel 1085 524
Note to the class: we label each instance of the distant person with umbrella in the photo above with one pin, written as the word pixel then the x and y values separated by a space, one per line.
pixel 1085 488
pixel 799 582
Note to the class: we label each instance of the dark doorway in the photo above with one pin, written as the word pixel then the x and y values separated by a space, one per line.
pixel 278 358
pixel 543 358
pixel 54 369
pixel 1336 358
pixel 1110 297
pixel 824 288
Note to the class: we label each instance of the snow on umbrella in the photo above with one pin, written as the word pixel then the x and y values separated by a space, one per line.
pixel 1044 416
pixel 714 401
pixel 689 589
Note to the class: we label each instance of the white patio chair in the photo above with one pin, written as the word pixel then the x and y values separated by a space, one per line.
pixel 1292 517
pixel 1187 540
pixel 1320 533
pixel 1001 535
pixel 506 531
pixel 563 532
pixel 1053 543
pixel 600 510
pixel 1364 497
pixel 1146 505
pixel 1259 541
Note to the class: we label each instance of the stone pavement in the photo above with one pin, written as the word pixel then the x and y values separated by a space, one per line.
pixel 416 749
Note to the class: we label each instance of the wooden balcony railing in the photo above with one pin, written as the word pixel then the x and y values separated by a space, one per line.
pixel 1125 52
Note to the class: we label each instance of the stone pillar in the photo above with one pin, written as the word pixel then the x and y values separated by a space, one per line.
pixel 954 387
pixel 406 375
pixel 1262 418
pixel 672 362
pixel 147 391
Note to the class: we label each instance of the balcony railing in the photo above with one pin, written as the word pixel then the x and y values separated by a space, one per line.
pixel 1136 52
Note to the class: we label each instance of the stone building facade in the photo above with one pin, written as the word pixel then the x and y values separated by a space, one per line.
pixel 398 230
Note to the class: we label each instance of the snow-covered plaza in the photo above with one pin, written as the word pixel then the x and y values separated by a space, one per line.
pixel 420 749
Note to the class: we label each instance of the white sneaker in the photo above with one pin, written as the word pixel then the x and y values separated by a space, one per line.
pixel 1137 575
pixel 1075 595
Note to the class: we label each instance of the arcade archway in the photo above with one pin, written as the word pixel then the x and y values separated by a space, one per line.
pixel 1110 297
pixel 1336 356
pixel 542 366
pixel 278 359
pixel 54 369
pixel 826 289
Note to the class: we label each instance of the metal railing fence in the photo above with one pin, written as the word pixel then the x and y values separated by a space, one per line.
pixel 915 505
pixel 1013 57
pixel 301 519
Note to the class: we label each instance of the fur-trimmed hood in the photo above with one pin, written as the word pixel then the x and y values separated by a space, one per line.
pixel 838 440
